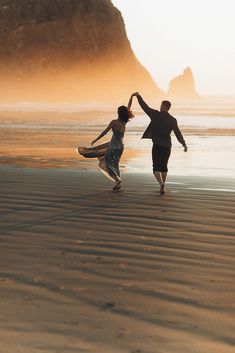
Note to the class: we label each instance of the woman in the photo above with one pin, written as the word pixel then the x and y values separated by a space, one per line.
pixel 109 154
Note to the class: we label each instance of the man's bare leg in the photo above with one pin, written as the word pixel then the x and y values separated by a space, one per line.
pixel 164 175
pixel 159 177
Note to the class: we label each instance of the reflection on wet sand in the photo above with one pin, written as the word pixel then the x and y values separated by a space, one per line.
pixel 55 158
pixel 50 140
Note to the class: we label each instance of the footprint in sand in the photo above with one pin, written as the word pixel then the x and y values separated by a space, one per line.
pixel 108 305
pixel 122 332
pixel 6 280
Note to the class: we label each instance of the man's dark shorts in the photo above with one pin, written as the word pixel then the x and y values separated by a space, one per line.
pixel 160 155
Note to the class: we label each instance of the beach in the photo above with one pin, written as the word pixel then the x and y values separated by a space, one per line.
pixel 106 245
pixel 84 269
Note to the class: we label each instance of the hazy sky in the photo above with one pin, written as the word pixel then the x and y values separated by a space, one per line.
pixel 169 35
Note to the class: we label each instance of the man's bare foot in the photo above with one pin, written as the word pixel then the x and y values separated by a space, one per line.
pixel 162 189
pixel 117 186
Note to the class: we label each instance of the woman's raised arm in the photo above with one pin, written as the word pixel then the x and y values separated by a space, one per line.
pixel 130 102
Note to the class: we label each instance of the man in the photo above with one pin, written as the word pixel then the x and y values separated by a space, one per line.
pixel 159 130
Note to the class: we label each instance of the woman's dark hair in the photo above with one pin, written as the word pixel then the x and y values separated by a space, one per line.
pixel 124 114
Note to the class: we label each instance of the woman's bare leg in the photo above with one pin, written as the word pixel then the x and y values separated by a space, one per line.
pixel 118 181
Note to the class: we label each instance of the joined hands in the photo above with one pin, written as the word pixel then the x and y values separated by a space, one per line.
pixel 135 94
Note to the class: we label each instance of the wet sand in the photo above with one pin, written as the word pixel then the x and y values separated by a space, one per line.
pixel 84 269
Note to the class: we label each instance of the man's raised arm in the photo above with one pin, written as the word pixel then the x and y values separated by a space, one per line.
pixel 149 111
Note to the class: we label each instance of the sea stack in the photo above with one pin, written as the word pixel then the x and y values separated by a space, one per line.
pixel 70 50
pixel 183 86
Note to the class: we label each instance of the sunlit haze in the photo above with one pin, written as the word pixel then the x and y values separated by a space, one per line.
pixel 169 35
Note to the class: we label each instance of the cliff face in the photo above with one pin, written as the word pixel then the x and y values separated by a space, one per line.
pixel 183 86
pixel 72 49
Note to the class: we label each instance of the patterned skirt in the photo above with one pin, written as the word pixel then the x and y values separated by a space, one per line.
pixel 109 155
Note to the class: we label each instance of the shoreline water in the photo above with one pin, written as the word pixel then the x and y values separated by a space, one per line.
pixel 50 140
pixel 207 105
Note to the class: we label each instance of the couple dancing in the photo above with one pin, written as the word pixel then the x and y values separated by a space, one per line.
pixel 159 130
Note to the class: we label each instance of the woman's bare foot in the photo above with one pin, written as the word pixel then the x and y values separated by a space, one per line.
pixel 162 189
pixel 117 186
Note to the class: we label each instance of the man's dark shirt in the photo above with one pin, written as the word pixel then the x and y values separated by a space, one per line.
pixel 161 126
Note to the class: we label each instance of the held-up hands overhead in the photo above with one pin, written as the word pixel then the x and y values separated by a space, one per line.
pixel 135 94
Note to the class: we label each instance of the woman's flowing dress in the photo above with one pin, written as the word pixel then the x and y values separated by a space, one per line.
pixel 109 155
